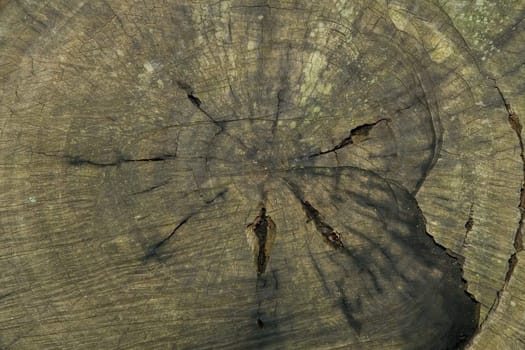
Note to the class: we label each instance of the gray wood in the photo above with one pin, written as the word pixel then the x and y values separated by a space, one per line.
pixel 261 174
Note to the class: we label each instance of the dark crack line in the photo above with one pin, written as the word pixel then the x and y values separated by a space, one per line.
pixel 152 251
pixel 361 130
pixel 151 188
pixel 515 124
pixel 326 230
pixel 262 231
pixel 329 171
pixel 80 161
pixel 260 228
pixel 198 104
pixel 469 224
pixel 517 127
pixel 332 236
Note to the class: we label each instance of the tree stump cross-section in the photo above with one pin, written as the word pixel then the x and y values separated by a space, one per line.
pixel 261 174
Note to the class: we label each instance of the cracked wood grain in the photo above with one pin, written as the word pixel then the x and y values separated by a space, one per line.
pixel 261 234
pixel 357 134
pixel 305 175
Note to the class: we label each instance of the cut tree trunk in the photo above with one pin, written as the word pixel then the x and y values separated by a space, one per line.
pixel 261 174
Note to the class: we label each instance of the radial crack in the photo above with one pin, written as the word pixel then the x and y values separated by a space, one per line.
pixel 195 100
pixel 153 249
pixel 218 123
pixel 332 236
pixel 198 103
pixel 356 135
pixel 260 235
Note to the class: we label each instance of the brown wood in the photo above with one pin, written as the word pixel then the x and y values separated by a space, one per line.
pixel 261 174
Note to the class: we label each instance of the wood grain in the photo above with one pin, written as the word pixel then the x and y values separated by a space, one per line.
pixel 141 141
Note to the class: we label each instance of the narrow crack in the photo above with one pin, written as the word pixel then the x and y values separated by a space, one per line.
pixel 261 229
pixel 469 225
pixel 81 161
pixel 195 100
pixel 151 188
pixel 332 236
pixel 198 103
pixel 153 249
pixel 515 124
pixel 357 134
pixel 218 123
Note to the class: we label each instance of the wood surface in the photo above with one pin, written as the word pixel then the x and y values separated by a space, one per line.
pixel 262 174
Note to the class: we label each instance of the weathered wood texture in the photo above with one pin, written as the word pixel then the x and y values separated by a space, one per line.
pixel 261 174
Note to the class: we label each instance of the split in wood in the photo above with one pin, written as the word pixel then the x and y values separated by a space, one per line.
pixel 261 235
pixel 153 249
pixel 79 161
pixel 357 134
pixel 331 235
